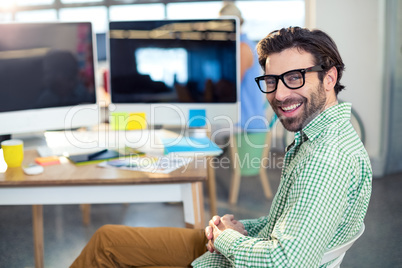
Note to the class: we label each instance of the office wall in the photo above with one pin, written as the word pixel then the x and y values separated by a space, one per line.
pixel 393 78
pixel 358 28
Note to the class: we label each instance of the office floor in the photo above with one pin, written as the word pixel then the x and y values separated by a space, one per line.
pixel 65 235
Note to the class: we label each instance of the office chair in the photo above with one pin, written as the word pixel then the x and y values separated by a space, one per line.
pixel 252 145
pixel 337 253
pixel 249 153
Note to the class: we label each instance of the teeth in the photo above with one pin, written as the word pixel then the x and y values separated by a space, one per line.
pixel 291 107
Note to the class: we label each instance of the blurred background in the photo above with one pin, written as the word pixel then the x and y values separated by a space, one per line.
pixel 368 34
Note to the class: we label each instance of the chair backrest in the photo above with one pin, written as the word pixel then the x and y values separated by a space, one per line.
pixel 338 252
pixel 254 144
pixel 250 150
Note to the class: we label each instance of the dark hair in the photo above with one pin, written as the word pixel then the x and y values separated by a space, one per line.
pixel 316 42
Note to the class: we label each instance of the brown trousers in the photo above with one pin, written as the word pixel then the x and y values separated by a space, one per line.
pixel 124 246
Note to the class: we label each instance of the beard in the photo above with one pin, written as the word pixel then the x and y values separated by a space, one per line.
pixel 311 108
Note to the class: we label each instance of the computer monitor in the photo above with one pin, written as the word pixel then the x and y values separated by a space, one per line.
pixel 166 68
pixel 47 77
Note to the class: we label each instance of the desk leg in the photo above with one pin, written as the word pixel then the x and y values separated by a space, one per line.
pixel 198 203
pixel 211 183
pixel 194 206
pixel 86 213
pixel 37 222
pixel 211 188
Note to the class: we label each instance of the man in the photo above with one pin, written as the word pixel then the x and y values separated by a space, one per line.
pixel 325 185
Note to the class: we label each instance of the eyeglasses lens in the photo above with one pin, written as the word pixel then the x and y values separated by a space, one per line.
pixel 293 79
pixel 268 84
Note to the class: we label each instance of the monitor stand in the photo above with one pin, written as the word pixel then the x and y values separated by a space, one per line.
pixel 31 140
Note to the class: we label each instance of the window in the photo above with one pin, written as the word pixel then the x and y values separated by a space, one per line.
pixel 6 4
pixel 137 12
pixel 96 15
pixel 5 17
pixel 33 2
pixel 79 1
pixel 194 10
pixel 36 15
pixel 262 17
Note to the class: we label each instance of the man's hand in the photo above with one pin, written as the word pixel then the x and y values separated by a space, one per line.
pixel 219 224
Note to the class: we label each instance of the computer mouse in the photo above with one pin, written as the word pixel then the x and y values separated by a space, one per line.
pixel 33 169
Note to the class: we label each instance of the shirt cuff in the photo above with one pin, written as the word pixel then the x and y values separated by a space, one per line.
pixel 226 239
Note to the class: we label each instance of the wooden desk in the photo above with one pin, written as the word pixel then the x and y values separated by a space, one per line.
pixel 70 184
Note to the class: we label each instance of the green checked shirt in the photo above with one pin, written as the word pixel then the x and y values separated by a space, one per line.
pixel 320 203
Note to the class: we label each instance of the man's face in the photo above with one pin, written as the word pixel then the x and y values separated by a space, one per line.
pixel 295 107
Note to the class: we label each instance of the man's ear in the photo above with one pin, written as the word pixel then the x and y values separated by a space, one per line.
pixel 330 78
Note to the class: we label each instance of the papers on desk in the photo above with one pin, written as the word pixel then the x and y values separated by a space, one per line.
pixel 152 164
pixel 166 151
pixel 63 143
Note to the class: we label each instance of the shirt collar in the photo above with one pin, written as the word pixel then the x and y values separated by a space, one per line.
pixel 329 116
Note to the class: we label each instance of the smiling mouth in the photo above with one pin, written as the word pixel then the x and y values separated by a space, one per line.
pixel 291 108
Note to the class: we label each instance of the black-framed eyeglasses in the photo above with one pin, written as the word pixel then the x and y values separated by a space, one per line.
pixel 292 79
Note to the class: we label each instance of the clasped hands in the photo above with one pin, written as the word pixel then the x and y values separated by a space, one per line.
pixel 219 224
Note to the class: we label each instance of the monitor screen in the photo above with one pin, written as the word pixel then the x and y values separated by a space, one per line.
pixel 175 66
pixel 46 76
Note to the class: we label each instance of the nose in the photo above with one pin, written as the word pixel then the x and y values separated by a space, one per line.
pixel 282 92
